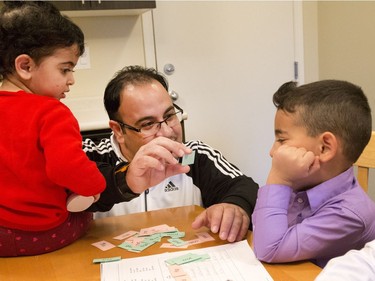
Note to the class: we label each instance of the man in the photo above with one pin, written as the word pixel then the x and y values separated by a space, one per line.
pixel 146 140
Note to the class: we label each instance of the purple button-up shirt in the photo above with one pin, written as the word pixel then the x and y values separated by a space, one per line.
pixel 317 224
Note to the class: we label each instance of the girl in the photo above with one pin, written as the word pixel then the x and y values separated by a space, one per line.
pixel 41 154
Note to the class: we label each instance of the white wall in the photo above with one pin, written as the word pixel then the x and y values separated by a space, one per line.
pixel 310 38
pixel 230 57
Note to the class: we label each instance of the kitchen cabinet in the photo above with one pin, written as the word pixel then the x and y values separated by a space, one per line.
pixel 103 7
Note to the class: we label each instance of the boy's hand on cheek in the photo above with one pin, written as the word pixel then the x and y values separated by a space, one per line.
pixel 292 166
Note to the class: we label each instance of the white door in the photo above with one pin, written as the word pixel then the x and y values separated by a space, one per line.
pixel 229 59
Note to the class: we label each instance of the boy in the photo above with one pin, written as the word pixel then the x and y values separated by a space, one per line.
pixel 312 206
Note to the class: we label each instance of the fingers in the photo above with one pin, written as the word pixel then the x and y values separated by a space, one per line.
pixel 154 162
pixel 142 162
pixel 165 148
pixel 307 158
pixel 315 166
pixel 229 220
pixel 150 173
pixel 158 153
pixel 244 227
pixel 200 220
pixel 234 224
pixel 216 219
pixel 296 155
pixel 172 170
pixel 292 166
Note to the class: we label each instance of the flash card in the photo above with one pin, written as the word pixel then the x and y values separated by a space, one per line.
pixel 100 260
pixel 187 159
pixel 103 245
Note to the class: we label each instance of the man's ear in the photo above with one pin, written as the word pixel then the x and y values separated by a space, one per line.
pixel 24 65
pixel 117 131
pixel 328 146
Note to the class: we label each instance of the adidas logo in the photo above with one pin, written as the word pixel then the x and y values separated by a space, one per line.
pixel 170 187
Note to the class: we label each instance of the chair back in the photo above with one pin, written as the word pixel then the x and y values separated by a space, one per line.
pixel 366 162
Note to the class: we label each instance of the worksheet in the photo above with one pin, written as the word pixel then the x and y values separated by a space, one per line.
pixel 230 262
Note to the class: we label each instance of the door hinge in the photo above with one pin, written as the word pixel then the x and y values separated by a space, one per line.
pixel 296 70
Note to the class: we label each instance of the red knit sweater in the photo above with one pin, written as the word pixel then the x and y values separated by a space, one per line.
pixel 41 158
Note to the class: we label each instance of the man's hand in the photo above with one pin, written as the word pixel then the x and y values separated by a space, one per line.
pixel 293 167
pixel 230 220
pixel 154 162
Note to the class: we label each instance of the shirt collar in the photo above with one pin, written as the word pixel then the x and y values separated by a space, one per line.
pixel 321 193
pixel 116 148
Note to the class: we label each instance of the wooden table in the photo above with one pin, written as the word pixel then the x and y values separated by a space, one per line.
pixel 75 261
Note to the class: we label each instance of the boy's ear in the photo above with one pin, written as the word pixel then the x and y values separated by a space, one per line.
pixel 117 130
pixel 24 64
pixel 328 146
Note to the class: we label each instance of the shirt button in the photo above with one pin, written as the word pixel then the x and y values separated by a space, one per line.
pixel 300 200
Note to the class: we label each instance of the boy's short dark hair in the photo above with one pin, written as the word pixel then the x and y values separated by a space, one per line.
pixel 35 28
pixel 134 74
pixel 335 106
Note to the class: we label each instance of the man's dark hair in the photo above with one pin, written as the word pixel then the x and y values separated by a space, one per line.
pixel 130 75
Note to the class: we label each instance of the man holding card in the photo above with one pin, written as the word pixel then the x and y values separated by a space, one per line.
pixel 145 150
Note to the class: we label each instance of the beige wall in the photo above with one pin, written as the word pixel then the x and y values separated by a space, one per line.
pixel 340 44
pixel 347 43
pixel 310 41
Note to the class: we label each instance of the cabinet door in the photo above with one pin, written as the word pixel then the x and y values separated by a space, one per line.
pixel 102 5
pixel 113 5
pixel 71 5
pixel 229 58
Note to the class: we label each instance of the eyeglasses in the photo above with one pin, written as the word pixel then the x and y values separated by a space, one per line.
pixel 151 128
